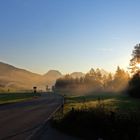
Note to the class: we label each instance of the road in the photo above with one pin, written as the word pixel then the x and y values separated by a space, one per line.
pixel 19 120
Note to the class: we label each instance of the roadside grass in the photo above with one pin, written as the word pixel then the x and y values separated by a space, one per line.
pixel 107 116
pixel 110 101
pixel 16 97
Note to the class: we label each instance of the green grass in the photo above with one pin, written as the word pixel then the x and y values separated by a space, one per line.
pixel 110 101
pixel 112 117
pixel 16 97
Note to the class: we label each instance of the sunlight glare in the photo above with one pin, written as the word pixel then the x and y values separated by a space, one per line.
pixel 138 65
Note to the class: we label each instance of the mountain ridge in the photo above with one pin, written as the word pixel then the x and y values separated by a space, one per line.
pixel 12 77
pixel 21 79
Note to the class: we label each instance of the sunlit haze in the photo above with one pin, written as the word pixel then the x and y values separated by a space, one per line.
pixel 68 35
pixel 138 66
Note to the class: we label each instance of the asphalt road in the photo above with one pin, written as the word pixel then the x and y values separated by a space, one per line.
pixel 19 120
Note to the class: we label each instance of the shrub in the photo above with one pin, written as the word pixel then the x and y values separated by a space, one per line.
pixel 100 123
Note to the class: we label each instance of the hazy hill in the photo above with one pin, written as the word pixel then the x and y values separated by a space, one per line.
pixel 49 78
pixel 52 74
pixel 77 74
pixel 16 78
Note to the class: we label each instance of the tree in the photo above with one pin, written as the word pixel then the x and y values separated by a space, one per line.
pixel 134 86
pixel 134 65
pixel 121 79
pixel 108 82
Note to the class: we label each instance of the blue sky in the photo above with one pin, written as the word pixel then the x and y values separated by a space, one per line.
pixel 68 35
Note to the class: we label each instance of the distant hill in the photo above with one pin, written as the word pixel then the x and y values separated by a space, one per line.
pixel 77 74
pixel 53 73
pixel 20 79
pixel 50 78
pixel 14 78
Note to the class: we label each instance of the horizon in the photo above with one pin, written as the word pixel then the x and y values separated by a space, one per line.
pixel 69 36
pixel 54 70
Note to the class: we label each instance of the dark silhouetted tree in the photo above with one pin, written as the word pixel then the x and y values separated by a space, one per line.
pixel 134 65
pixel 134 86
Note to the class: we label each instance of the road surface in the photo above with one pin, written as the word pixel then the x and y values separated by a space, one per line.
pixel 19 120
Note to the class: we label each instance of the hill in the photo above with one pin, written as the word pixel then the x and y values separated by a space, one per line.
pixel 15 78
pixel 77 74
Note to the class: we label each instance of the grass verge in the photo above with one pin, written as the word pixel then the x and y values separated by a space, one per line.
pixel 6 98
pixel 110 117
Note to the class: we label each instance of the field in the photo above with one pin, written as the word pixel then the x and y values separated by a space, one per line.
pixel 109 116
pixel 16 97
pixel 110 101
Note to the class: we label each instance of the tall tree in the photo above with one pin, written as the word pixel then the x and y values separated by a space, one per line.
pixel 134 65
pixel 121 79
pixel 134 86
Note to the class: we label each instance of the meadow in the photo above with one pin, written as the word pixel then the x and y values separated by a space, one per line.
pixel 107 116
pixel 16 97
pixel 109 101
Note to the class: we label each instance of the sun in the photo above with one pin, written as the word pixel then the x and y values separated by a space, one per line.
pixel 138 65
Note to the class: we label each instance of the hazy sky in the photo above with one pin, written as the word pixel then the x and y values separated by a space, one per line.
pixel 68 35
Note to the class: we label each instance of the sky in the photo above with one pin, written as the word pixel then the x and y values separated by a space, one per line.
pixel 68 35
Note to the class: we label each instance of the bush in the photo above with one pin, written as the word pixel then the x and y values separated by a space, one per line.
pixel 100 123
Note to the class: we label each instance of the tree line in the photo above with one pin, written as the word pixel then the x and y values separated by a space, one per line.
pixel 93 81
pixel 96 81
